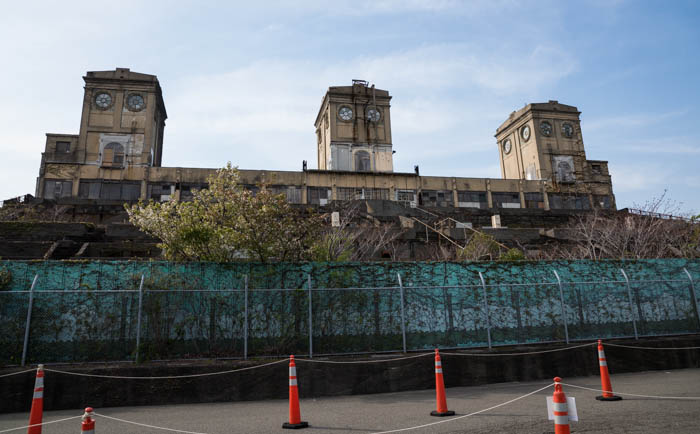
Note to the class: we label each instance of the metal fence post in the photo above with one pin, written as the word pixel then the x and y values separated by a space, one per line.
pixel 311 328
pixel 138 321
pixel 486 309
pixel 245 319
pixel 403 313
pixel 563 310
pixel 693 297
pixel 29 319
pixel 629 295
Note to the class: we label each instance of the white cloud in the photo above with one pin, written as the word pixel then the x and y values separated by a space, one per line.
pixel 630 121
pixel 262 114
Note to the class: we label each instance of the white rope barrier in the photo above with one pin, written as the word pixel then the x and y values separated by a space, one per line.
pixel 40 424
pixel 517 354
pixel 470 414
pixel 365 361
pixel 145 425
pixel 650 348
pixel 165 377
pixel 689 398
pixel 17 373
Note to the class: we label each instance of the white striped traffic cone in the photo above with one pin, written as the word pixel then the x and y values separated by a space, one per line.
pixel 605 383
pixel 37 412
pixel 88 424
pixel 295 421
pixel 561 410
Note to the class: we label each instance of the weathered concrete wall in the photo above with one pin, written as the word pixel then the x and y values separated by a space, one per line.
pixel 318 379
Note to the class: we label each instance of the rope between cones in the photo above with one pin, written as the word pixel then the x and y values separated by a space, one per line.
pixel 145 425
pixel 41 424
pixel 652 348
pixel 18 372
pixel 166 377
pixel 470 414
pixel 519 354
pixel 689 398
pixel 365 361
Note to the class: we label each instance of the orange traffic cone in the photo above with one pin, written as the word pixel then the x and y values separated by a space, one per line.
pixel 605 377
pixel 37 412
pixel 88 425
pixel 440 390
pixel 561 410
pixel 294 413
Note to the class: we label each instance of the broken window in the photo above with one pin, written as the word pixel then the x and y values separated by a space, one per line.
pixel 506 200
pixel 348 193
pixel 113 155
pixel 376 193
pixel 602 201
pixel 362 161
pixel 89 189
pixel 291 193
pixel 62 147
pixel 436 198
pixel 56 189
pixel 109 190
pixel 407 197
pixel 472 199
pixel 186 190
pixel 318 195
pixel 534 200
pixel 569 201
pixel 564 169
pixel 161 192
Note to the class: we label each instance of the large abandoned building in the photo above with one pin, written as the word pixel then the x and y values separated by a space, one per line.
pixel 117 154
pixel 116 158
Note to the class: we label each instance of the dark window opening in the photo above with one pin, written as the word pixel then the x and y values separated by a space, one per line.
pixel 436 198
pixel 56 189
pixel 472 199
pixel 63 147
pixel 572 201
pixel 534 200
pixel 113 155
pixel 362 161
pixel 506 200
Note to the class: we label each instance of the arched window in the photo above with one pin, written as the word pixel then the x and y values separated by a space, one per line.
pixel 362 162
pixel 113 154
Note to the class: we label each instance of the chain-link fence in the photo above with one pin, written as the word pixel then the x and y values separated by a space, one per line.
pixel 150 319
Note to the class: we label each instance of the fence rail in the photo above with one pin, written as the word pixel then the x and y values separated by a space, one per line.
pixel 150 322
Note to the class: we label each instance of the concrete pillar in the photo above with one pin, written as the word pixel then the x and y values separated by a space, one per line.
pixel 489 199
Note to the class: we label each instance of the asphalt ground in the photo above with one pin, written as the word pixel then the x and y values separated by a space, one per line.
pixel 394 411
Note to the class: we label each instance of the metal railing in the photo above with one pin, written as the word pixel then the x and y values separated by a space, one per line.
pixel 154 322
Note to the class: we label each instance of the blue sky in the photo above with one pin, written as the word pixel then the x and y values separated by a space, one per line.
pixel 243 81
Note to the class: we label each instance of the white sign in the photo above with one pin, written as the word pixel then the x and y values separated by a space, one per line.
pixel 335 219
pixel 570 403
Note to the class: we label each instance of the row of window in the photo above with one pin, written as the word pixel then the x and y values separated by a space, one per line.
pixel 131 191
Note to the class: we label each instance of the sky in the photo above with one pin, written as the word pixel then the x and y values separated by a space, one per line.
pixel 243 81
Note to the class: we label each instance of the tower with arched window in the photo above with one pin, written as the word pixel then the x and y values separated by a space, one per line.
pixel 353 129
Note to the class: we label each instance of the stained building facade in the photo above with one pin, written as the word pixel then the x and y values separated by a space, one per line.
pixel 117 156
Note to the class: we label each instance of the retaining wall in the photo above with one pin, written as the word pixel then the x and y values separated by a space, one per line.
pixel 318 379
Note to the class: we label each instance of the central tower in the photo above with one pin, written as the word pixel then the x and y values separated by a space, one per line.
pixel 353 129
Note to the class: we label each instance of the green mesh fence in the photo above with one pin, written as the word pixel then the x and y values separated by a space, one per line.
pixel 91 311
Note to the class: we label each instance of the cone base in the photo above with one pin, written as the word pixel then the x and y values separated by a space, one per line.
pixel 299 425
pixel 609 398
pixel 443 414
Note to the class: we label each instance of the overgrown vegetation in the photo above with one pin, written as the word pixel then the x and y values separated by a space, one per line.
pixel 228 222
pixel 652 232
